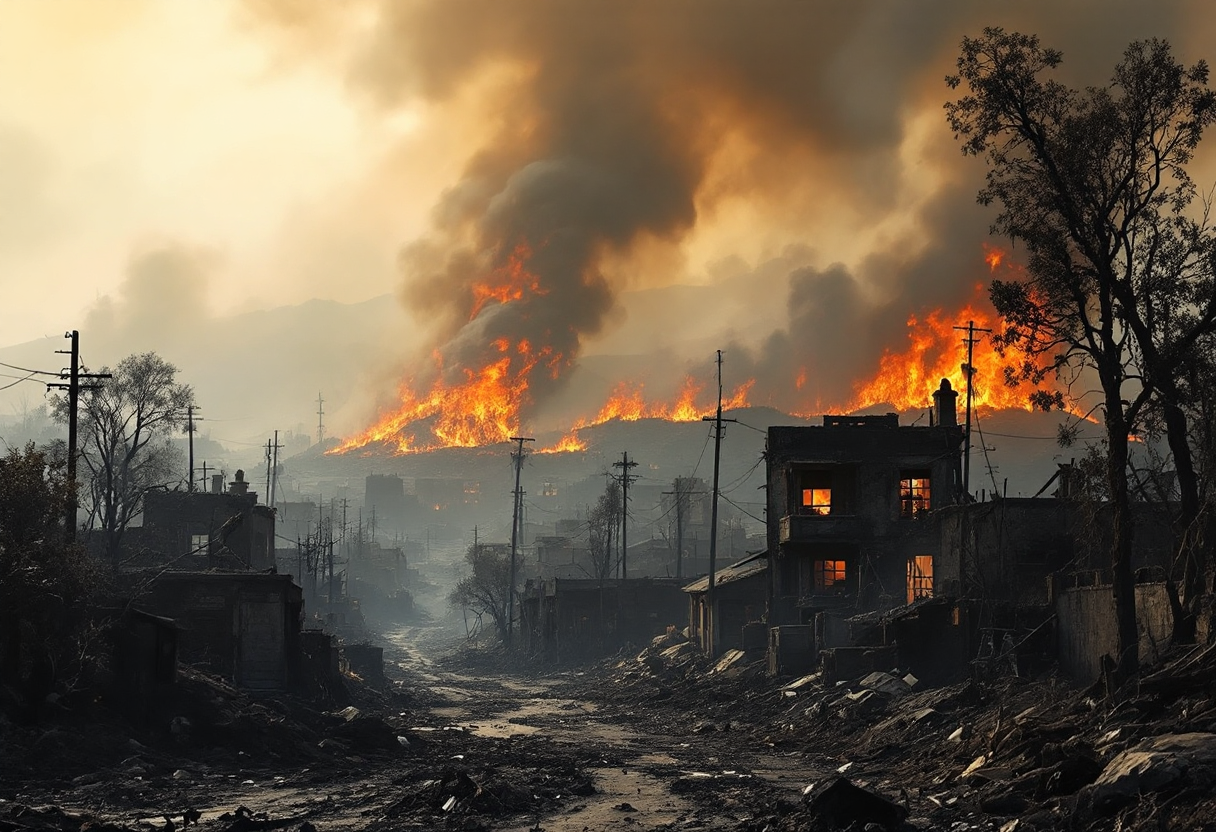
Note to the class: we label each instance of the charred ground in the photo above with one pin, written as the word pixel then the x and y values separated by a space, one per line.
pixel 656 739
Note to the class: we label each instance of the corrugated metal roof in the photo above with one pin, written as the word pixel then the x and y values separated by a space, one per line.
pixel 747 567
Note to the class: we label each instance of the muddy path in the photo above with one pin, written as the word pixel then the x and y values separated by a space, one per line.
pixel 452 739
pixel 650 769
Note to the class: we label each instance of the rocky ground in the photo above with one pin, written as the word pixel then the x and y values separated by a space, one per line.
pixel 651 740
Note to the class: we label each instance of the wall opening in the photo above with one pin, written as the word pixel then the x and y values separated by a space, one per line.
pixel 920 577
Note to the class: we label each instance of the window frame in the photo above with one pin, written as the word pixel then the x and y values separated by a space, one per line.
pixel 915 500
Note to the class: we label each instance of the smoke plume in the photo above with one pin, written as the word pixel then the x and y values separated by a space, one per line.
pixel 608 132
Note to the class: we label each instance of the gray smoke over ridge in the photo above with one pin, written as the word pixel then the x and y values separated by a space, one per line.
pixel 618 127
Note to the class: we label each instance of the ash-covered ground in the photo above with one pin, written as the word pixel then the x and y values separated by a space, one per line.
pixel 652 739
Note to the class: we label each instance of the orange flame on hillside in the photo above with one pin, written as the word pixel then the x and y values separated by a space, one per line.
pixel 627 404
pixel 482 410
pixel 475 407
pixel 937 349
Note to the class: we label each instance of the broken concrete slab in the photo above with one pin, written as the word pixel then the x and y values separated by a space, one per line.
pixel 731 658
pixel 892 686
pixel 837 803
pixel 1150 766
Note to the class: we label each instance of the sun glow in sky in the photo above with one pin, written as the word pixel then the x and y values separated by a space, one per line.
pixel 126 123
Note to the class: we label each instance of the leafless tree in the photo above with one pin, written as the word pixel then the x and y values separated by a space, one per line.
pixel 125 430
pixel 487 589
pixel 1120 271
pixel 602 523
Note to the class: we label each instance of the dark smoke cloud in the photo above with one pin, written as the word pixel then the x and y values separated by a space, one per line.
pixel 613 116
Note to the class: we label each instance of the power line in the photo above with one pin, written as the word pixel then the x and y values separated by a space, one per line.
pixel 33 372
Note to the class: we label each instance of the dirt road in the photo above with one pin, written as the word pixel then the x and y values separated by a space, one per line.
pixel 648 771
pixel 463 742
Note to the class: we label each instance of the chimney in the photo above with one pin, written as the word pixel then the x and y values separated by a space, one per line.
pixel 238 485
pixel 217 483
pixel 944 401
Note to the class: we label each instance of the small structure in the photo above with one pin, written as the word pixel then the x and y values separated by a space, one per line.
pixel 740 593
pixel 241 625
pixel 198 529
pixel 144 651
pixel 849 510
pixel 566 619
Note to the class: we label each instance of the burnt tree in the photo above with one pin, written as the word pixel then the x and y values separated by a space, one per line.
pixel 1120 269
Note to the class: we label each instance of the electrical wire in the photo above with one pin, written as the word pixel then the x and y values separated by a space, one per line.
pixel 18 381
pixel 31 372
pixel 741 508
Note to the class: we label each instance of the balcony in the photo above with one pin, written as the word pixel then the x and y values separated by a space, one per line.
pixel 807 528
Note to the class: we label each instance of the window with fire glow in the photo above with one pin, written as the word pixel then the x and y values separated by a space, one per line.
pixel 828 575
pixel 914 493
pixel 816 493
pixel 920 577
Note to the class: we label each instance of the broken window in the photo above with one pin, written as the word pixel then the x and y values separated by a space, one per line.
pixel 920 577
pixel 199 543
pixel 816 493
pixel 913 493
pixel 827 575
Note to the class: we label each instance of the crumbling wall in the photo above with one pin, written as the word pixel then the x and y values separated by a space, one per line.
pixel 1086 628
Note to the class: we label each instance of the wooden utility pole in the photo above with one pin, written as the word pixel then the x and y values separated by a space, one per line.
pixel 518 456
pixel 74 386
pixel 682 490
pixel 625 465
pixel 710 640
pixel 274 482
pixel 969 371
pixel 190 428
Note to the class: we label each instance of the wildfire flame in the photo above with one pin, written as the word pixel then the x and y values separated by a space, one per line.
pixel 937 349
pixel 628 404
pixel 483 406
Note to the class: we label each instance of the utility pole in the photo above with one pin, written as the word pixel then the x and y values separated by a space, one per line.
pixel 969 370
pixel 190 420
pixel 682 491
pixel 711 641
pixel 345 545
pixel 518 456
pixel 625 464
pixel 203 478
pixel 320 419
pixel 74 377
pixel 274 483
pixel 267 472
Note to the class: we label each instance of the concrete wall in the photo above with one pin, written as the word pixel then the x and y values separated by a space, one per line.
pixel 1086 629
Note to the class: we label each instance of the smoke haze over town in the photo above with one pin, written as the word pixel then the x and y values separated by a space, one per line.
pixel 778 182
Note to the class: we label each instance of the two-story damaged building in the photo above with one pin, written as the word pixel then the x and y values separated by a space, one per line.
pixel 848 509
pixel 199 530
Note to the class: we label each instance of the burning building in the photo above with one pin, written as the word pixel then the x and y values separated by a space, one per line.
pixel 849 507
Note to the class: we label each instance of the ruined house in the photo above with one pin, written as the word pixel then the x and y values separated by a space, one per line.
pixel 740 591
pixel 244 626
pixel 198 529
pixel 850 505
pixel 565 619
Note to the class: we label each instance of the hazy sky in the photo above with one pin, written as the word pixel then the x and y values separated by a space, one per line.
pixel 273 151
pixel 126 124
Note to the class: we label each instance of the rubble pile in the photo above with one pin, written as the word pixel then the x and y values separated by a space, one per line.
pixel 221 756
pixel 1003 753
